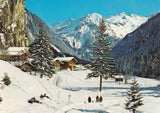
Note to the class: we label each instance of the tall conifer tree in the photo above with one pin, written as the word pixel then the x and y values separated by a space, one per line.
pixel 134 99
pixel 42 55
pixel 156 66
pixel 101 62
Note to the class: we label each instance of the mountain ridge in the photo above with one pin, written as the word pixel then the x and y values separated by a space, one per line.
pixel 33 23
pixel 79 33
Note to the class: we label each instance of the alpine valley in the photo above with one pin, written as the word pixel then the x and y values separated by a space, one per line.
pixel 35 80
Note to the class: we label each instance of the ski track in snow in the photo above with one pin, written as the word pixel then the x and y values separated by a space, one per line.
pixel 25 92
pixel 50 94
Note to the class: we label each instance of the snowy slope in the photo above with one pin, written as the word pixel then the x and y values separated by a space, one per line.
pixel 73 83
pixel 123 24
pixel 79 33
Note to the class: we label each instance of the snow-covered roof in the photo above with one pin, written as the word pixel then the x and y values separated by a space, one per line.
pixel 56 48
pixel 65 59
pixel 16 50
pixel 119 76
pixel 17 63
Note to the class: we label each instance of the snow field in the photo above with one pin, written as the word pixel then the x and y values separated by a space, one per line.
pixel 73 83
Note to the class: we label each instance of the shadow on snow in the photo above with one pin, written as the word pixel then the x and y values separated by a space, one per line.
pixel 105 88
pixel 89 111
pixel 154 91
pixel 92 88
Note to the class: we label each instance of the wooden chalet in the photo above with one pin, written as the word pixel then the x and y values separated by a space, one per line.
pixel 17 56
pixel 65 63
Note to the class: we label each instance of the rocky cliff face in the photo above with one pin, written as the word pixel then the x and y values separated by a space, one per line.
pixel 19 27
pixel 12 23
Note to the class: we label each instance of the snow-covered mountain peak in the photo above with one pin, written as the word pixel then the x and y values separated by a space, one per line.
pixel 78 33
pixel 93 18
pixel 122 14
pixel 69 20
pixel 95 15
pixel 123 23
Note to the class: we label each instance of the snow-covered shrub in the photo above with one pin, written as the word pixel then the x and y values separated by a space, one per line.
pixel 33 100
pixel 2 86
pixel 69 97
pixel 42 96
pixel 6 80
pixel 1 99
pixel 57 80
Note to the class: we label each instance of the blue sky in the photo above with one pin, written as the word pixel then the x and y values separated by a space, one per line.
pixel 52 11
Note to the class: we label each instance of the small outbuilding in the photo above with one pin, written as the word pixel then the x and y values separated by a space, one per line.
pixel 119 78
pixel 17 56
